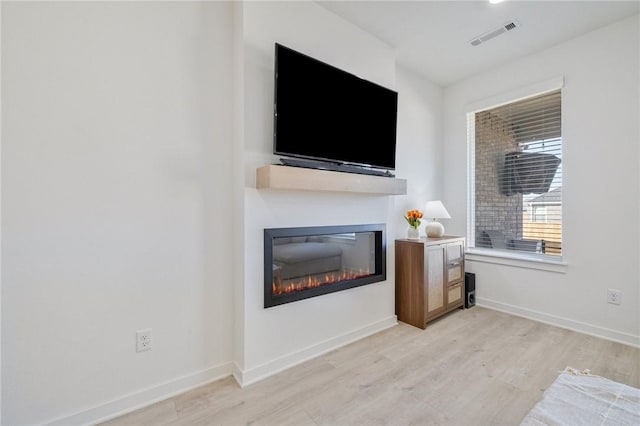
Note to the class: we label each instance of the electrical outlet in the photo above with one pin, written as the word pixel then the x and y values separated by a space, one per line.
pixel 143 340
pixel 614 296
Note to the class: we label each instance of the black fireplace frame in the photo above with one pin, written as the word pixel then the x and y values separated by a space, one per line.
pixel 380 273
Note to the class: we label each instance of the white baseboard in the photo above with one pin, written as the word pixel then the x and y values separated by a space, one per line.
pixel 144 397
pixel 237 373
pixel 252 375
pixel 581 327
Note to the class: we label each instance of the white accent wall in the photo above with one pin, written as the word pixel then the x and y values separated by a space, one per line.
pixel 601 136
pixel 281 336
pixel 116 162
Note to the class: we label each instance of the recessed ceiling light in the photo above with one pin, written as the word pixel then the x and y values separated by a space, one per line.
pixel 495 1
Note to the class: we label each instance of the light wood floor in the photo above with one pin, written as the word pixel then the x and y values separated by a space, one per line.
pixel 471 367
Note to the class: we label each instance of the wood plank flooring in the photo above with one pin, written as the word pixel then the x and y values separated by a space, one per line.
pixel 471 367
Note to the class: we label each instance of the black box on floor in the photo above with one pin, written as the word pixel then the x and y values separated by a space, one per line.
pixel 469 289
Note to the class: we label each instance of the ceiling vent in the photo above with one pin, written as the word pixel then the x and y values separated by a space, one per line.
pixel 507 26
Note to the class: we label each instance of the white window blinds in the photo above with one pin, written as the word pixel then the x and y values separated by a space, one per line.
pixel 517 171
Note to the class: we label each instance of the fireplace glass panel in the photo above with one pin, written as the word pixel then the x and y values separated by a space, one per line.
pixel 320 260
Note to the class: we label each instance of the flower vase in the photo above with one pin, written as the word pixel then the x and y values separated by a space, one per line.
pixel 413 233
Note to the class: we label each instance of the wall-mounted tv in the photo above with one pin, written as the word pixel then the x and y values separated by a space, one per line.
pixel 327 114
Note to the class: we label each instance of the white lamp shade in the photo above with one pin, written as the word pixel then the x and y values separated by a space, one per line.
pixel 436 210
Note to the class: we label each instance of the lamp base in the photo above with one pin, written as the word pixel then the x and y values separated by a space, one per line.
pixel 434 229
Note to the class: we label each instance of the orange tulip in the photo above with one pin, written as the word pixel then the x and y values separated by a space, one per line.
pixel 413 217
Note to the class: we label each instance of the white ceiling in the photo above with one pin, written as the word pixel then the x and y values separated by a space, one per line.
pixel 433 37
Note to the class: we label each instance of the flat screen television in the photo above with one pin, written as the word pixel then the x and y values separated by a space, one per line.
pixel 327 114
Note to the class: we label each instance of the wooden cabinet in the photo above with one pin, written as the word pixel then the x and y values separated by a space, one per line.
pixel 429 278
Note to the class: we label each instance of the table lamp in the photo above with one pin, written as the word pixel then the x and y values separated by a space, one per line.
pixel 435 210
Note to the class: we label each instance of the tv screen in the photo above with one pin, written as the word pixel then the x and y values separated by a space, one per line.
pixel 324 113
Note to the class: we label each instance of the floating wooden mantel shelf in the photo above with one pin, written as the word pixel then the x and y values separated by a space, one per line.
pixel 301 179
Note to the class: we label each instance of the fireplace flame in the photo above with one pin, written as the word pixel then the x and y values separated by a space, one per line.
pixel 293 285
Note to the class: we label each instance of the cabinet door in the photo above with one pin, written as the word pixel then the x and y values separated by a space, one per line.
pixel 454 295
pixel 434 281
pixel 455 262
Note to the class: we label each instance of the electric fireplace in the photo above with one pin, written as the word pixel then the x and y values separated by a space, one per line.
pixel 311 261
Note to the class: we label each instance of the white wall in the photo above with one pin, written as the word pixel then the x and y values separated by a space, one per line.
pixel 420 140
pixel 600 178
pixel 238 186
pixel 115 215
pixel 278 337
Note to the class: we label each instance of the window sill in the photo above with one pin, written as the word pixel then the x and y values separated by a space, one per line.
pixel 518 260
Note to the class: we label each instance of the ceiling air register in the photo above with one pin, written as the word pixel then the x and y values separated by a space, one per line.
pixel 507 26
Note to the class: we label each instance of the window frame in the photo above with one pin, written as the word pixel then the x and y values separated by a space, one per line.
pixel 506 257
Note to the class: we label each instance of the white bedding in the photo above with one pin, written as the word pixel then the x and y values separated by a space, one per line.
pixel 580 398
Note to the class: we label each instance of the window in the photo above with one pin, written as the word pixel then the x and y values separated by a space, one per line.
pixel 539 213
pixel 516 176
